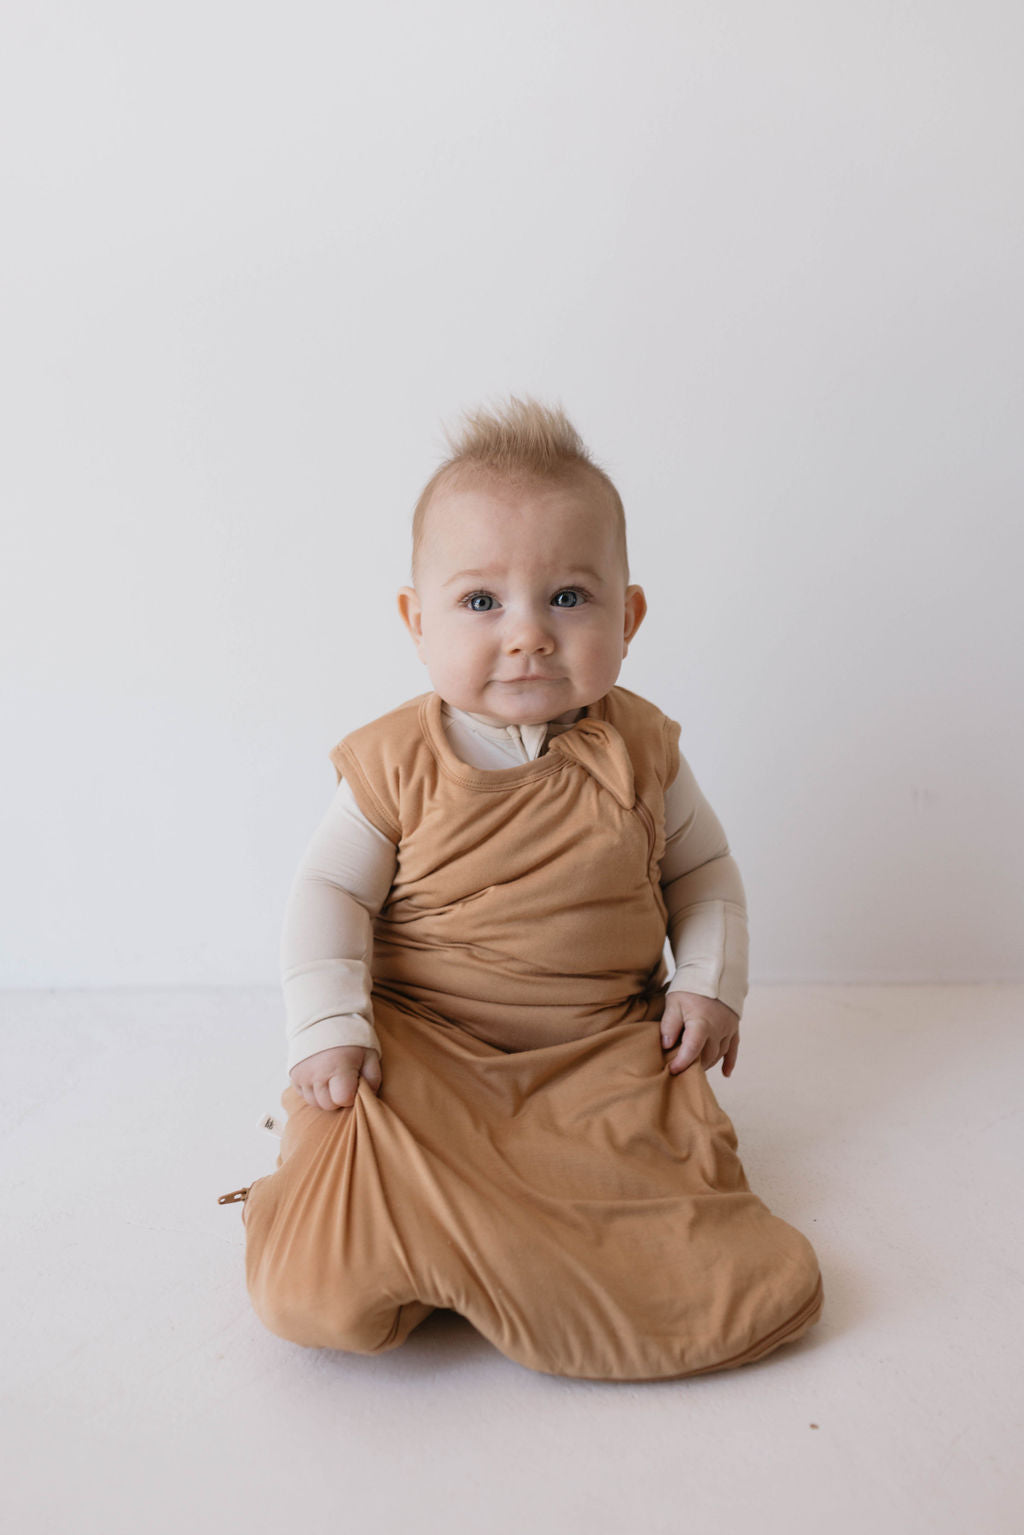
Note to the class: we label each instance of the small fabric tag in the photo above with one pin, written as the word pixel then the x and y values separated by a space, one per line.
pixel 273 1124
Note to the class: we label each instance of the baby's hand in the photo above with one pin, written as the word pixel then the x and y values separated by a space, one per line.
pixel 328 1080
pixel 710 1031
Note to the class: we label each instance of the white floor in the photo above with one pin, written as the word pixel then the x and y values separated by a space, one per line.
pixel 140 1393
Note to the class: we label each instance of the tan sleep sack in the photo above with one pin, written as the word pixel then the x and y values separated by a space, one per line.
pixel 529 1161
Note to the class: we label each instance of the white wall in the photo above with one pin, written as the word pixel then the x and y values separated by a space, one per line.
pixel 768 257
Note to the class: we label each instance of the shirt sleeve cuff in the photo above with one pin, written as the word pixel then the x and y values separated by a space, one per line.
pixel 329 1033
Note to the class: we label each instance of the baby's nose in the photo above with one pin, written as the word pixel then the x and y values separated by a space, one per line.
pixel 528 635
pixel 526 625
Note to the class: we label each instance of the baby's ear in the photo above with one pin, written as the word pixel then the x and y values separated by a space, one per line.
pixel 411 613
pixel 636 607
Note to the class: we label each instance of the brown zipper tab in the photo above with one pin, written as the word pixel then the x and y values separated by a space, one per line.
pixel 233 1197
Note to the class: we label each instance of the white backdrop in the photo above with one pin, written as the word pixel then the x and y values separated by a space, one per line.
pixel 767 256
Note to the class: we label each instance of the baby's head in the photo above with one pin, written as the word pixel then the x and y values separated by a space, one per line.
pixel 520 608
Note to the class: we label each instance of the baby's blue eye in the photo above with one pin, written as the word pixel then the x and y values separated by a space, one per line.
pixel 577 594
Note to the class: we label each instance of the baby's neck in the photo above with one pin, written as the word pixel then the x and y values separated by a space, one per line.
pixel 569 717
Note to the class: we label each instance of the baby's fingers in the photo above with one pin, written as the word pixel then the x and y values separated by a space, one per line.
pixel 340 1091
pixel 670 1032
pixel 371 1069
pixel 695 1036
pixel 671 1023
pixel 320 1093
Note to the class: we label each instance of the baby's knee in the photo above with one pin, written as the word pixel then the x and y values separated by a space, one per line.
pixel 346 1312
pixel 307 1288
pixel 306 1283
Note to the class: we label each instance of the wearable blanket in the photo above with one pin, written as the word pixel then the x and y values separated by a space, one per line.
pixel 529 1161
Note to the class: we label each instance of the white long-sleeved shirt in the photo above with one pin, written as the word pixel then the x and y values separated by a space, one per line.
pixel 348 868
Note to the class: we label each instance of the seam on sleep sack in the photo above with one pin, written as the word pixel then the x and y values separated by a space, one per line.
pixel 390 828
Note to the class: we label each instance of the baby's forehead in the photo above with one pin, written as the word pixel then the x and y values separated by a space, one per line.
pixel 478 519
pixel 475 536
pixel 486 504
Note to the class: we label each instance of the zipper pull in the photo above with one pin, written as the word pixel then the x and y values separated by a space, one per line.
pixel 234 1197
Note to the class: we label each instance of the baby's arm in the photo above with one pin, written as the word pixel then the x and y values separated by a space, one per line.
pixel 326 953
pixel 707 930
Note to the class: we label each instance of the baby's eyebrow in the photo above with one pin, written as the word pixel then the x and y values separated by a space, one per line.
pixel 579 570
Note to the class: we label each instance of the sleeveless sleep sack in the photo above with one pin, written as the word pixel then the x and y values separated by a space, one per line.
pixel 529 1162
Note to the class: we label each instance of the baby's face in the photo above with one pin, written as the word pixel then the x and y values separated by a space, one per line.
pixel 521 612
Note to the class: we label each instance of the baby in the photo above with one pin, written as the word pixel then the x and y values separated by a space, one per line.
pixel 522 613
pixel 475 936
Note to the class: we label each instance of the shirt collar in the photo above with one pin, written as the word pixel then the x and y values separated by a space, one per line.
pixel 532 737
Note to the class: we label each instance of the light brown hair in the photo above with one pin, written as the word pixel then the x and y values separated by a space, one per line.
pixel 520 441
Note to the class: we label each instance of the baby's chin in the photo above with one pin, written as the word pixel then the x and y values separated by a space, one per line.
pixel 535 702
